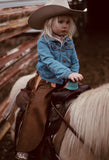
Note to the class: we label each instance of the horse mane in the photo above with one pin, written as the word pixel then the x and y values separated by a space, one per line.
pixel 89 116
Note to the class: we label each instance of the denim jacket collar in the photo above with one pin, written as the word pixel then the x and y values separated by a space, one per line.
pixel 50 39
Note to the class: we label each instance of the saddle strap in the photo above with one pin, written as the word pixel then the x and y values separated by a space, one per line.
pixel 37 82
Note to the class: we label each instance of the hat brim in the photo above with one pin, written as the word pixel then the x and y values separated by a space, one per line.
pixel 38 17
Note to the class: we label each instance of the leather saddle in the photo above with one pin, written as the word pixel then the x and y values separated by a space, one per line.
pixel 60 95
pixel 58 98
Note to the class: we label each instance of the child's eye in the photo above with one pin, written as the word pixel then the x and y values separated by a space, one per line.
pixel 67 22
pixel 61 21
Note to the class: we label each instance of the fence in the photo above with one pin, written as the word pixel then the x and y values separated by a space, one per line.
pixel 17 49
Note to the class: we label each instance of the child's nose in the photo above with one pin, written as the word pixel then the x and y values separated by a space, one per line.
pixel 65 25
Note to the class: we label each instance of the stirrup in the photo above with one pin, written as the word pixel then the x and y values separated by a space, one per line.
pixel 21 156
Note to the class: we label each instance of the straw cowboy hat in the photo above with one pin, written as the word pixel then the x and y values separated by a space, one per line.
pixel 51 9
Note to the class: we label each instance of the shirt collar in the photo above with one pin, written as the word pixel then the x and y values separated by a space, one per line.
pixel 51 39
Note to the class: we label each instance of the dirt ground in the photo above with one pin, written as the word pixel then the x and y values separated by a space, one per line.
pixel 93 54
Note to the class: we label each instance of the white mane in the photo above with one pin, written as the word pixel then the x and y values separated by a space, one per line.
pixel 89 116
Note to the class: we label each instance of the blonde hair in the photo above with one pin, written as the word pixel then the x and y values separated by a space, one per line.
pixel 48 27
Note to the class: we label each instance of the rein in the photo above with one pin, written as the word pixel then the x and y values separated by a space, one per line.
pixel 69 126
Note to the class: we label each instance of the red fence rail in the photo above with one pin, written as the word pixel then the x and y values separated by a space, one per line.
pixel 16 58
pixel 13 21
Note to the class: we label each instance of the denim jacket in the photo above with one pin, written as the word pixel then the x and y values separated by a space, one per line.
pixel 56 60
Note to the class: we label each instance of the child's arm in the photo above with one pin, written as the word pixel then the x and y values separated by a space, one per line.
pixel 59 70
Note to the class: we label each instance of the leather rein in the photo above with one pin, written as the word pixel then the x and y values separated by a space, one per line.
pixel 69 126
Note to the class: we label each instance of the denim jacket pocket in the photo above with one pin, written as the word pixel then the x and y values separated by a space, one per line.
pixel 69 46
pixel 55 50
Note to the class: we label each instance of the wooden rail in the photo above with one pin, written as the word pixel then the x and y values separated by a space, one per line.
pixel 16 58
pixel 15 54
pixel 13 21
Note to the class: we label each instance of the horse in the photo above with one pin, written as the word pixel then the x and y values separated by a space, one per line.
pixel 88 116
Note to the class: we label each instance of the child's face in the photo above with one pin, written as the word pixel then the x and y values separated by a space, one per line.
pixel 61 27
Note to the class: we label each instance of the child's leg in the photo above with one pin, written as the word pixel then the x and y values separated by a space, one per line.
pixel 35 119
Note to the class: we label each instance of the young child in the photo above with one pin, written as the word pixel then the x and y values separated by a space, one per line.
pixel 57 63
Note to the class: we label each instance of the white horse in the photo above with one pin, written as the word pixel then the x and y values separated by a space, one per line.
pixel 89 116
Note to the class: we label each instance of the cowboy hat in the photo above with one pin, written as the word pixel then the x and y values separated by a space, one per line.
pixel 51 9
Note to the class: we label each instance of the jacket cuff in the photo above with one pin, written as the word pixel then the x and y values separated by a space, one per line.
pixel 66 74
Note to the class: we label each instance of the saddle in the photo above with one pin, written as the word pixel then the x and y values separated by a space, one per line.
pixel 58 98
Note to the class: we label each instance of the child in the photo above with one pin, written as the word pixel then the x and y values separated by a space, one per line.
pixel 57 62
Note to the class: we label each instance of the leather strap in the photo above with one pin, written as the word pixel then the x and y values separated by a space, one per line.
pixel 69 126
pixel 37 82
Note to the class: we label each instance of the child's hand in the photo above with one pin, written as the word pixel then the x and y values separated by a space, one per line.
pixel 75 77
